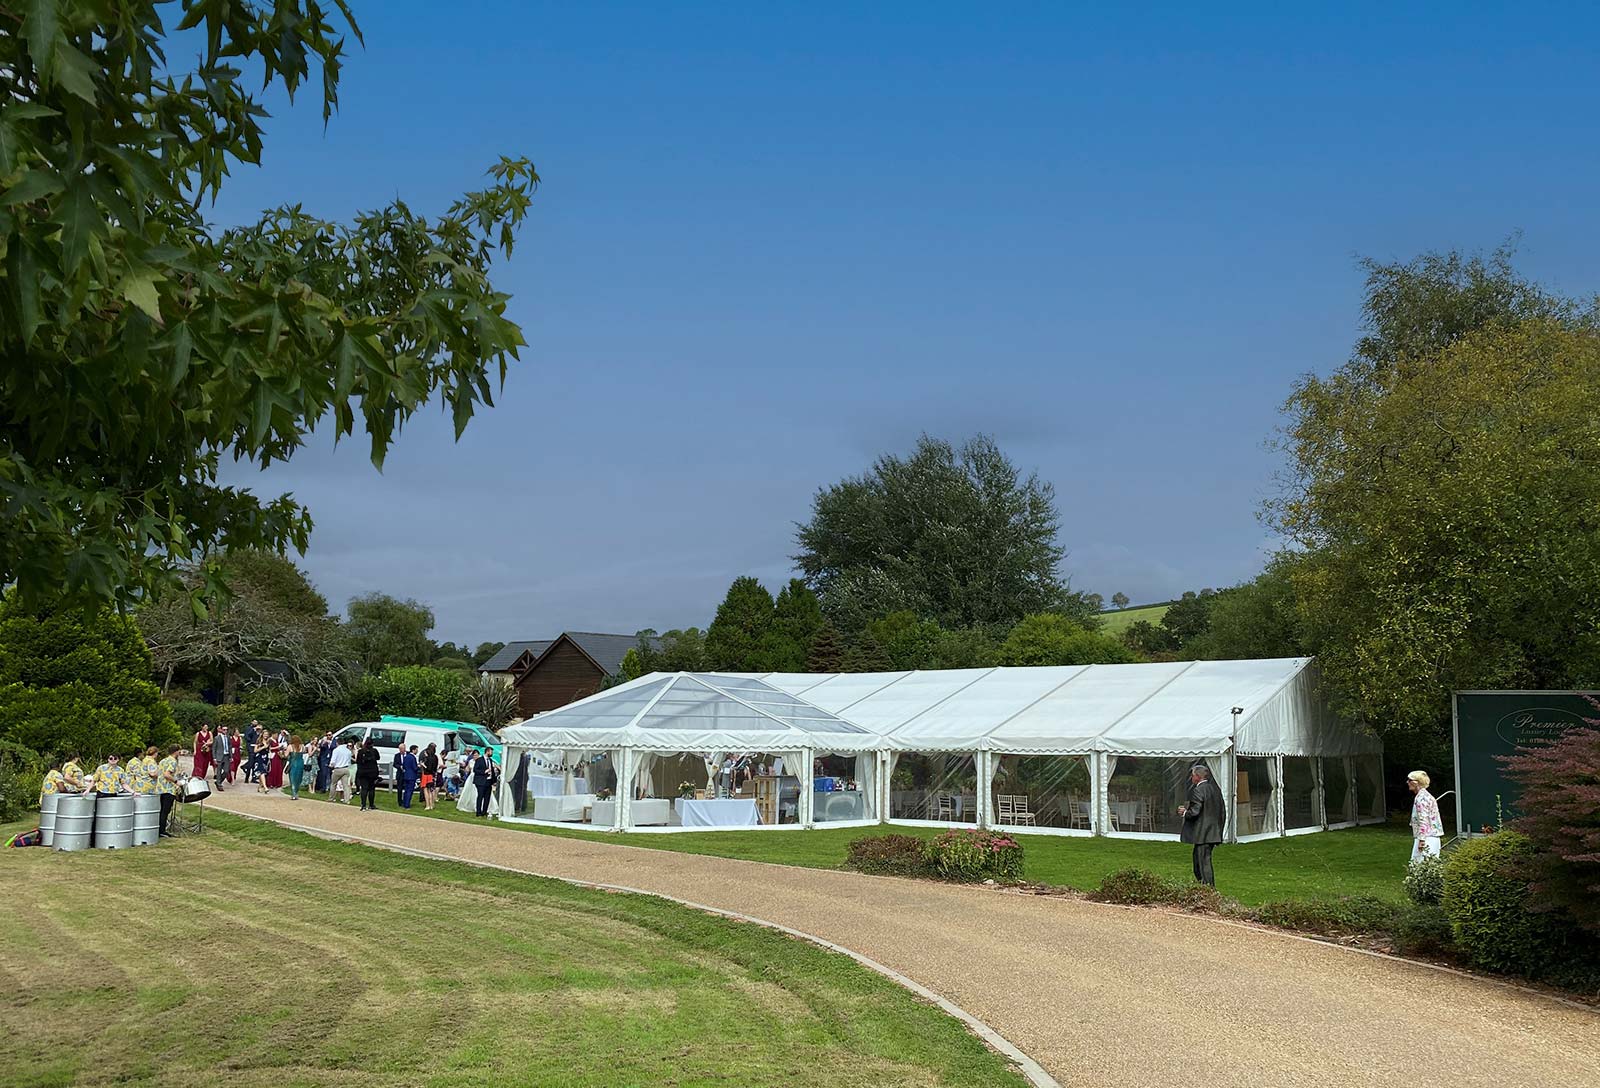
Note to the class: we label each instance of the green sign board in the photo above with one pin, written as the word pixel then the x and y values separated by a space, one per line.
pixel 1489 724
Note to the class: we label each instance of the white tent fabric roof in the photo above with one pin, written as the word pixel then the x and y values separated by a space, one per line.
pixel 690 712
pixel 1162 708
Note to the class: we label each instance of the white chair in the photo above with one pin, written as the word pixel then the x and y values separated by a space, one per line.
pixel 1005 808
pixel 1014 809
pixel 947 808
pixel 1143 818
pixel 1081 816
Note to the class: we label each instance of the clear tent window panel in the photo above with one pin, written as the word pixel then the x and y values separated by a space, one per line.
pixel 1143 794
pixel 843 787
pixel 1300 793
pixel 940 786
pixel 607 712
pixel 1369 787
pixel 1336 796
pixel 562 786
pixel 1255 807
pixel 715 789
pixel 1042 791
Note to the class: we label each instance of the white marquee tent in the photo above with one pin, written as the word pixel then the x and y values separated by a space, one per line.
pixel 1083 749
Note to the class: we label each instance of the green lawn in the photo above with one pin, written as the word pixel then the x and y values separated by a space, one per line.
pixel 1355 861
pixel 253 955
pixel 1115 622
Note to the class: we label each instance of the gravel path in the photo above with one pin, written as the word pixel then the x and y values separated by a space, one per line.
pixel 1098 995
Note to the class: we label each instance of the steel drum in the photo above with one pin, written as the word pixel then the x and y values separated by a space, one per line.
pixel 146 818
pixel 74 827
pixel 47 818
pixel 113 822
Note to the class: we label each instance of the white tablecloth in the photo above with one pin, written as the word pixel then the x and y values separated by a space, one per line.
pixel 567 808
pixel 553 785
pixel 731 812
pixel 838 805
pixel 649 812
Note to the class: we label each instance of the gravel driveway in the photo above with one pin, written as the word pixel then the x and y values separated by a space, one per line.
pixel 1098 995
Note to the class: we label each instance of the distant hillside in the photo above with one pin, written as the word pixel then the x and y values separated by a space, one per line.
pixel 1114 621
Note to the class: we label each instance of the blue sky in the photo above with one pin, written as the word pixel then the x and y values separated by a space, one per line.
pixel 773 242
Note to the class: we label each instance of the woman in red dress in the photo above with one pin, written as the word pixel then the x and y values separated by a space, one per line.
pixel 202 752
pixel 274 765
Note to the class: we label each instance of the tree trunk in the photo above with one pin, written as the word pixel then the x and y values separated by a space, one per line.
pixel 230 685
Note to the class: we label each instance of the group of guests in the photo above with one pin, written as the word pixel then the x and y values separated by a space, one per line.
pixel 142 774
pixel 269 759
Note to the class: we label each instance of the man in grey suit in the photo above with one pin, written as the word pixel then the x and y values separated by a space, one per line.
pixel 1203 820
pixel 221 755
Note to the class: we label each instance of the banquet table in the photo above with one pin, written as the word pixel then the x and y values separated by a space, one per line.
pixel 838 805
pixel 567 808
pixel 553 785
pixel 647 812
pixel 1123 813
pixel 724 812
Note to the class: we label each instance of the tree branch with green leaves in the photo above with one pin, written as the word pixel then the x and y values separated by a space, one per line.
pixel 140 344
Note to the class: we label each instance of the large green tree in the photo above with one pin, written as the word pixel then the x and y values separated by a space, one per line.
pixel 1450 513
pixel 796 623
pixel 76 683
pixel 955 535
pixel 272 624
pixel 385 630
pixel 739 638
pixel 139 343
pixel 1257 619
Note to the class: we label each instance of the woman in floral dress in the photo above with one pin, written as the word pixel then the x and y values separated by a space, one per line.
pixel 1427 829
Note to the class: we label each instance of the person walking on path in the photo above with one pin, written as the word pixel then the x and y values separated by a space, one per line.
pixel 202 752
pixel 339 771
pixel 297 767
pixel 410 771
pixel 222 747
pixel 1203 820
pixel 367 775
pixel 167 785
pixel 323 757
pixel 252 734
pixel 239 753
pixel 430 776
pixel 1427 829
pixel 274 777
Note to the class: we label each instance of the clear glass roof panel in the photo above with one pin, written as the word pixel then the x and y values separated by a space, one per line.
pixel 607 710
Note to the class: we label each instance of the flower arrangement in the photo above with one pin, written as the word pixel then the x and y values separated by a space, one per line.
pixel 686 789
pixel 602 794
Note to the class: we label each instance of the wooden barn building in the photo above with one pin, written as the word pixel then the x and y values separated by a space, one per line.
pixel 548 673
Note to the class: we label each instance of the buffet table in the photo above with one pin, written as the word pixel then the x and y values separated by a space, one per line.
pixel 647 812
pixel 567 808
pixel 553 785
pixel 725 812
pixel 838 805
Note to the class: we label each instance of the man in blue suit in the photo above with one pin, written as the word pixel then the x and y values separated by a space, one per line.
pixel 410 771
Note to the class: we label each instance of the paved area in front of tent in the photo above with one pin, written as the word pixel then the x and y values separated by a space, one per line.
pixel 1098 995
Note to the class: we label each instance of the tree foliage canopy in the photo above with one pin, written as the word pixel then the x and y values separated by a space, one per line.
pixel 139 344
pixel 1451 518
pixel 1049 638
pixel 740 633
pixel 954 535
pixel 385 630
pixel 77 683
pixel 271 624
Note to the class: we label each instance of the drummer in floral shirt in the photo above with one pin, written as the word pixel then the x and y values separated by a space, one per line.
pixel 74 777
pixel 142 772
pixel 109 778
pixel 1427 829
pixel 54 782
pixel 167 785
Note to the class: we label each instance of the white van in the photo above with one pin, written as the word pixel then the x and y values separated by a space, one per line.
pixel 391 731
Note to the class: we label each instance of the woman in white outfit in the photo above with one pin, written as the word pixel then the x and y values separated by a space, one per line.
pixel 1426 827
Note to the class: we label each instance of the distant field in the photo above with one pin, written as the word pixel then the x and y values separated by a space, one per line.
pixel 1114 622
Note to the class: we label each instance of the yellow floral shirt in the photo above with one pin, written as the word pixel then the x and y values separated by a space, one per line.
pixel 142 774
pixel 54 782
pixel 167 775
pixel 72 773
pixel 109 779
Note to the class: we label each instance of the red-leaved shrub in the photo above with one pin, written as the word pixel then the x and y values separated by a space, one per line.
pixel 1561 798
